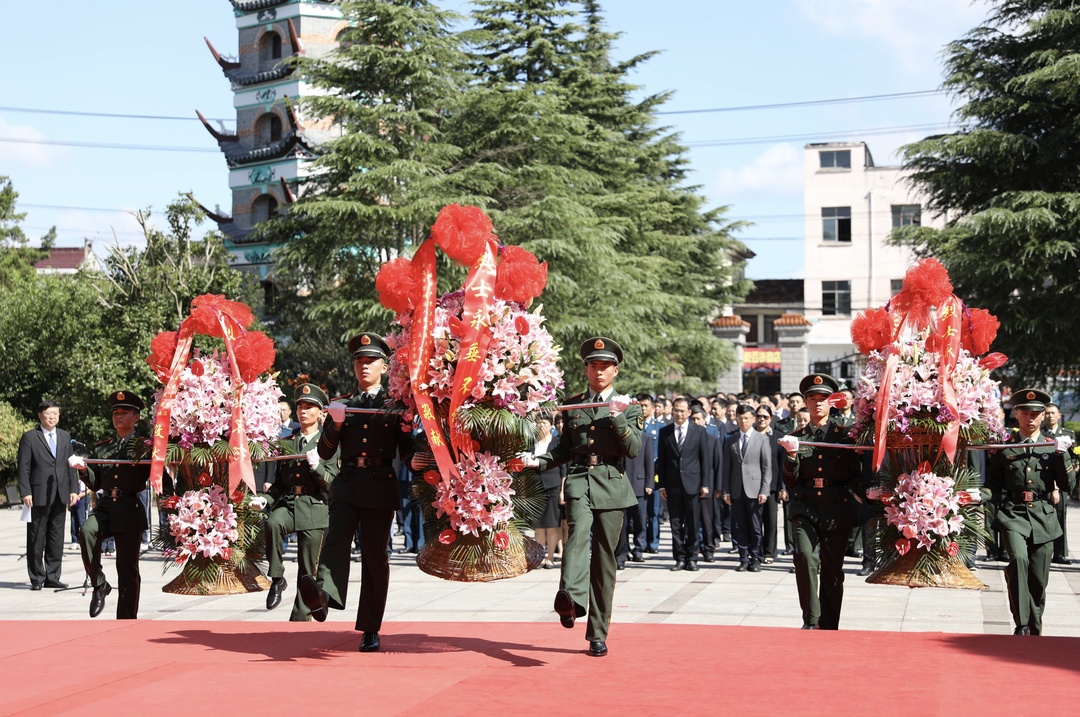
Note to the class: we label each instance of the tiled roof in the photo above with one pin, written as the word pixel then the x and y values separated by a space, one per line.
pixel 792 320
pixel 242 78
pixel 729 322
pixel 61 258
pixel 274 150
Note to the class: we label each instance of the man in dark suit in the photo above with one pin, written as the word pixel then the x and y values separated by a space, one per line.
pixel 706 506
pixel 48 487
pixel 745 486
pixel 1052 428
pixel 763 423
pixel 641 471
pixel 684 472
pixel 365 493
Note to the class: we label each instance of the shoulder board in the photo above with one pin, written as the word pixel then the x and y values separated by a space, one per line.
pixel 342 397
pixel 576 396
pixel 101 443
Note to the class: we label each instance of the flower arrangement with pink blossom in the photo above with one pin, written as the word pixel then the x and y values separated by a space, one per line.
pixel 478 498
pixel 204 525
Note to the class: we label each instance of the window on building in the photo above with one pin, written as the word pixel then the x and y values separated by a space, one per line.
pixel 836 224
pixel 836 298
pixel 835 159
pixel 895 285
pixel 906 215
pixel 752 336
pixel 769 337
pixel 268 128
pixel 269 50
pixel 265 207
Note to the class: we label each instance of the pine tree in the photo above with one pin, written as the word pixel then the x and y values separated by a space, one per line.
pixel 1008 184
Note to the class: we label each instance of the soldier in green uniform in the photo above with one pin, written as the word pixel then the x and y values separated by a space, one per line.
pixel 1052 429
pixel 365 492
pixel 1024 485
pixel 824 485
pixel 597 443
pixel 298 495
pixel 118 512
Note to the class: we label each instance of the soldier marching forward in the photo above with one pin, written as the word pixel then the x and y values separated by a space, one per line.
pixel 824 485
pixel 365 493
pixel 1024 485
pixel 597 492
pixel 298 496
pixel 118 512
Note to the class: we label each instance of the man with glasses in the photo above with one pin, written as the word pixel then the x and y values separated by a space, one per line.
pixel 763 424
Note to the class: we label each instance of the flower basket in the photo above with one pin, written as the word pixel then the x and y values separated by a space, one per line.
pixel 228 579
pixel 905 570
pixel 472 559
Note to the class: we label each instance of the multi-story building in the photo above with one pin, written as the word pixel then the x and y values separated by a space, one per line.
pixel 270 152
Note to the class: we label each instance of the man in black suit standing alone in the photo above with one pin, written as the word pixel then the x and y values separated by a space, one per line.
pixel 684 473
pixel 48 487
pixel 747 480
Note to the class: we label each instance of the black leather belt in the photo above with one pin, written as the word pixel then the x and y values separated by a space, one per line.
pixel 821 483
pixel 592 460
pixel 112 494
pixel 1027 496
pixel 301 490
pixel 367 461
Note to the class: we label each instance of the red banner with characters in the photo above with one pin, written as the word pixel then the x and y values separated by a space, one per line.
pixel 161 420
pixel 240 470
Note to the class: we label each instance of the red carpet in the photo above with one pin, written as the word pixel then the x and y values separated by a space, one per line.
pixel 441 669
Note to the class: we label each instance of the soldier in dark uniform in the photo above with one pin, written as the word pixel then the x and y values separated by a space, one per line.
pixel 1024 485
pixel 119 512
pixel 1052 429
pixel 824 485
pixel 298 497
pixel 596 443
pixel 365 492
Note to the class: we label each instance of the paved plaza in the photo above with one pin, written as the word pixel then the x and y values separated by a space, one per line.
pixel 647 592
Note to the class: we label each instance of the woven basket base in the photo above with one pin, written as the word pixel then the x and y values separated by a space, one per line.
pixel 473 560
pixel 230 580
pixel 901 571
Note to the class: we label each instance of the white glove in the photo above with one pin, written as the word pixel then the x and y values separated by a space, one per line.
pixel 313 458
pixel 77 462
pixel 618 404
pixel 257 502
pixel 873 493
pixel 529 460
pixel 1064 443
pixel 336 411
pixel 789 444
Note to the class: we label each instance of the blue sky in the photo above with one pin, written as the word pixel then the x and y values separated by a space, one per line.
pixel 149 58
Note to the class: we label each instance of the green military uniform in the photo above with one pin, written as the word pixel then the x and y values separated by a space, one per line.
pixel 1061 544
pixel 365 493
pixel 299 496
pixel 597 492
pixel 823 510
pixel 118 513
pixel 1019 482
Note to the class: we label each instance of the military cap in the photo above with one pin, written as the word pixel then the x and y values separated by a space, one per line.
pixel 599 348
pixel 312 394
pixel 1030 399
pixel 818 383
pixel 126 399
pixel 369 344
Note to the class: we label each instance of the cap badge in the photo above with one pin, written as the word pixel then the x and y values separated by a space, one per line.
pixel 365 340
pixel 817 380
pixel 1030 395
pixel 305 390
pixel 119 395
pixel 599 344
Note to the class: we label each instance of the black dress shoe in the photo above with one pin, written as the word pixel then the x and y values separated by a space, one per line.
pixel 864 571
pixel 97 600
pixel 273 596
pixel 597 648
pixel 691 565
pixel 620 566
pixel 1060 560
pixel 313 597
pixel 566 608
pixel 743 567
pixel 852 553
pixel 754 567
pixel 1022 630
pixel 708 559
pixel 726 537
pixel 369 642
pixel 679 565
pixel 808 626
pixel 35 586
pixel 55 584
pixel 637 558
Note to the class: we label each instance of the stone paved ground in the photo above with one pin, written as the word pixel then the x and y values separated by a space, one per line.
pixel 646 592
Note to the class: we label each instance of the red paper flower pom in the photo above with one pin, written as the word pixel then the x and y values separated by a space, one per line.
pixel 205 310
pixel 462 233
pixel 254 353
pixel 447 536
pixel 872 330
pixel 396 285
pixel 978 330
pixel 162 349
pixel 521 277
pixel 926 284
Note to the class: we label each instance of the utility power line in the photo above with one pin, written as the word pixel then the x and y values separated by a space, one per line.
pixel 107 145
pixel 832 134
pixel 113 115
pixel 808 103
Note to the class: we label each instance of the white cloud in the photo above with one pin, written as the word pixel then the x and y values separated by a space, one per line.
pixel 914 32
pixel 27 153
pixel 778 171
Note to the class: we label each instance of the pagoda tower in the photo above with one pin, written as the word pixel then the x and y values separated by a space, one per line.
pixel 270 152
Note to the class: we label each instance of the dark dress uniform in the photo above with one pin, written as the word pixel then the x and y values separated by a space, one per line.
pixel 365 493
pixel 1061 544
pixel 1019 481
pixel 597 493
pixel 298 497
pixel 822 484
pixel 118 513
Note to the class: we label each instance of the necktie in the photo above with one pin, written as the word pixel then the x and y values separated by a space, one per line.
pixel 742 449
pixel 678 435
pixel 52 444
